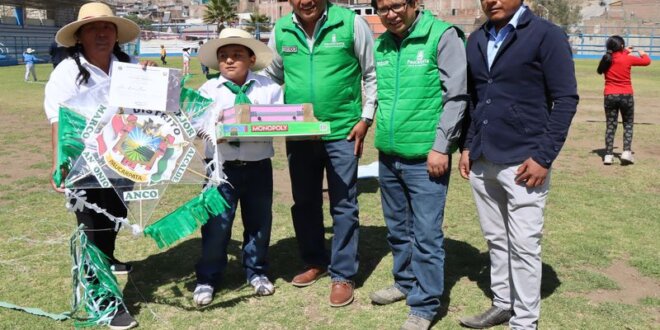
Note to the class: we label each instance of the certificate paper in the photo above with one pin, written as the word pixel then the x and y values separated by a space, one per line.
pixel 152 88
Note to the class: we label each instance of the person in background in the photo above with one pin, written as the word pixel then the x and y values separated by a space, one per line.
pixel 247 164
pixel 29 59
pixel 57 53
pixel 93 46
pixel 421 72
pixel 186 61
pixel 205 69
pixel 323 55
pixel 521 79
pixel 615 65
pixel 163 54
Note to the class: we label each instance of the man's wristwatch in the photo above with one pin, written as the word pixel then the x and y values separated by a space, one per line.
pixel 367 121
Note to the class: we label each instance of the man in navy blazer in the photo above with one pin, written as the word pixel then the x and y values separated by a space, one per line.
pixel 521 79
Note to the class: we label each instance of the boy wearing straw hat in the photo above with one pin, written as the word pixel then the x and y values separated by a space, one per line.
pixel 247 164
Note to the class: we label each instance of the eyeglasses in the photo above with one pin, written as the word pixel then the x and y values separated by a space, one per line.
pixel 396 8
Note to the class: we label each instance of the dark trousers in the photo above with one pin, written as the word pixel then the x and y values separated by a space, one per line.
pixel 307 161
pixel 99 229
pixel 251 184
pixel 615 103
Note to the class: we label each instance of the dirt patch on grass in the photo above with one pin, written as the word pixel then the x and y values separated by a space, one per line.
pixel 633 286
pixel 26 149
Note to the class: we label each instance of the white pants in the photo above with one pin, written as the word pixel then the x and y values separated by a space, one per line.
pixel 29 70
pixel 511 218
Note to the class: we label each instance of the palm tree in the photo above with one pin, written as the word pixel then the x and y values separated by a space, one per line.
pixel 260 20
pixel 220 12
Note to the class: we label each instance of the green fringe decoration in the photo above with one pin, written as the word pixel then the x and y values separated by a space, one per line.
pixel 69 143
pixel 191 101
pixel 187 218
pixel 94 285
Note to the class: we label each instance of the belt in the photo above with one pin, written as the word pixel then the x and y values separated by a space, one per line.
pixel 240 163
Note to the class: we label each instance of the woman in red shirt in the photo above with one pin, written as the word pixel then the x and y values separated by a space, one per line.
pixel 616 64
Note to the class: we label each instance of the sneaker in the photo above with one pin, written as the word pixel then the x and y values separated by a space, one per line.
pixel 415 322
pixel 387 296
pixel 627 158
pixel 122 320
pixel 203 295
pixel 119 268
pixel 262 286
pixel 608 159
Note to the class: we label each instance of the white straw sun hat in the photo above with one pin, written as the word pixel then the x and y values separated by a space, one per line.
pixel 230 36
pixel 127 30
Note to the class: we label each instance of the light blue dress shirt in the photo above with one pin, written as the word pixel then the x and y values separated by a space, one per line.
pixel 495 38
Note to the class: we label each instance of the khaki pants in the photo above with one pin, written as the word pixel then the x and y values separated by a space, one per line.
pixel 511 218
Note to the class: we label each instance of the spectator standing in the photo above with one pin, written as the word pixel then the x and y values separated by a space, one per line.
pixel 29 59
pixel 616 65
pixel 205 69
pixel 186 61
pixel 57 53
pixel 163 54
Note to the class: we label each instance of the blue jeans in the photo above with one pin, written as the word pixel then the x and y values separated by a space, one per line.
pixel 253 188
pixel 307 160
pixel 413 207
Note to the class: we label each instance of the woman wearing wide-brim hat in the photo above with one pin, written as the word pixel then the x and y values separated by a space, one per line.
pixel 93 46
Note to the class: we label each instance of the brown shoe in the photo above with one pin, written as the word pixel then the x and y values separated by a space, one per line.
pixel 308 277
pixel 341 293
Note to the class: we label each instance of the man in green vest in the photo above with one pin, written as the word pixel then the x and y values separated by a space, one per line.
pixel 422 96
pixel 324 54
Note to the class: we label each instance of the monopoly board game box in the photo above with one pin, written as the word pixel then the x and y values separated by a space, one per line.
pixel 250 120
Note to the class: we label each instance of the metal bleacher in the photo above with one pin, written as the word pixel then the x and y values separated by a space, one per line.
pixel 36 33
pixel 15 39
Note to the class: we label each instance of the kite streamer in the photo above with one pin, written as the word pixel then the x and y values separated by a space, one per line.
pixel 95 288
pixel 187 218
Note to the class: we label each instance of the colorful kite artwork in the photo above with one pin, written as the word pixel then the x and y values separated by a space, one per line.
pixel 140 154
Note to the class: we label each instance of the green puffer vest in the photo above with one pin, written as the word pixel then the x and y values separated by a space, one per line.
pixel 409 89
pixel 329 76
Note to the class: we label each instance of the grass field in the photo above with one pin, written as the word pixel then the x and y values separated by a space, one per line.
pixel 601 256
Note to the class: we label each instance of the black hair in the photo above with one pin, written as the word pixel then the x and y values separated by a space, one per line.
pixel 374 3
pixel 76 50
pixel 83 74
pixel 614 44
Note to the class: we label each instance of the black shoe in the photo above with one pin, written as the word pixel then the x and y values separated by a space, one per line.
pixel 490 318
pixel 120 268
pixel 122 320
